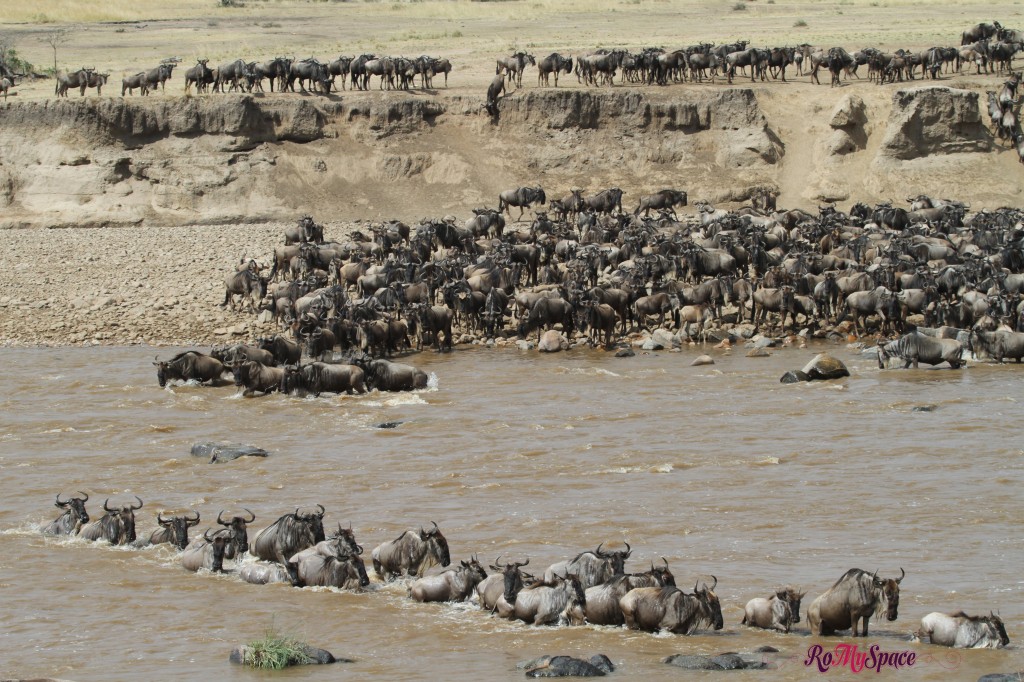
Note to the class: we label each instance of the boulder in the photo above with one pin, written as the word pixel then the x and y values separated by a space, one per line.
pixel 552 341
pixel 701 360
pixel 666 338
pixel 824 367
pixel 625 352
pixel 525 345
pixel 651 344
pixel 567 666
pixel 724 661
pixel 758 353
pixel 225 452
pixel 792 377
pixel 849 112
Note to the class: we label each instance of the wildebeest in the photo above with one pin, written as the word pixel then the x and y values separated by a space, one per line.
pixel 494 91
pixel 345 571
pixel 411 553
pixel 546 313
pixel 6 83
pixel 603 600
pixel 777 612
pixel 561 600
pixel 255 377
pixel 385 375
pixel 189 366
pixel 962 631
pixel 915 347
pixel 655 304
pixel 435 321
pixel 173 530
pixel 75 79
pixel 289 535
pixel 206 553
pixel 285 350
pixel 242 351
pixel 117 526
pixel 263 573
pixel 202 76
pixel 72 518
pixel 524 197
pixel 666 199
pixel 320 377
pixel 236 528
pixel 606 201
pixel 669 609
pixel 514 66
pixel 854 597
pixel 979 32
pixel 592 568
pixel 247 284
pixel 497 593
pixel 131 83
pixel 553 63
pixel 452 584
pixel 999 344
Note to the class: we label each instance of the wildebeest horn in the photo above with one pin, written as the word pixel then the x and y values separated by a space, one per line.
pixel 221 522
pixel 525 563
pixel 160 518
pixel 194 521
pixel 105 507
pixel 629 549
pixel 695 585
pixel 206 536
pixel 716 583
pixel 140 503
pixel 666 562
pixel 322 511
pixel 598 550
pixel 84 499
pixel 436 529
pixel 903 574
pixel 58 503
pixel 250 514
pixel 497 562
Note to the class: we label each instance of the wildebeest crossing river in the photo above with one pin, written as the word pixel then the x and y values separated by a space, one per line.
pixel 719 469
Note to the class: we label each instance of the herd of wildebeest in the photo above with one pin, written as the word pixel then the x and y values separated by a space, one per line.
pixel 936 277
pixel 592 587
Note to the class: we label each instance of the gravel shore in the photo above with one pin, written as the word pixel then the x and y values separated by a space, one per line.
pixel 155 286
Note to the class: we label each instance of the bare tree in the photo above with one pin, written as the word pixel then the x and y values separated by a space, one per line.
pixel 6 51
pixel 55 39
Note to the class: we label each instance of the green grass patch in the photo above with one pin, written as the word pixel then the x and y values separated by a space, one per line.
pixel 276 651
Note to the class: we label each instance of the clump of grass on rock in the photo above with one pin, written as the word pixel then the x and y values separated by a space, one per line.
pixel 275 651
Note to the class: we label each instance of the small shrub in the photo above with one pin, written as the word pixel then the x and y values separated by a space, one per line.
pixel 799 23
pixel 276 651
pixel 739 7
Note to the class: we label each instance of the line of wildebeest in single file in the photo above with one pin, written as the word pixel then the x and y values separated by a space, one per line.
pixel 592 587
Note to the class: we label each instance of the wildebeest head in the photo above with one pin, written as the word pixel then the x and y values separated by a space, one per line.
pixel 890 591
pixel 161 372
pixel 792 597
pixel 346 543
pixel 710 604
pixel 119 522
pixel 513 578
pixel 177 528
pixel 662 575
pixel 475 569
pixel 218 541
pixel 437 544
pixel 315 520
pixel 577 600
pixel 617 559
pixel 238 532
pixel 996 624
pixel 75 506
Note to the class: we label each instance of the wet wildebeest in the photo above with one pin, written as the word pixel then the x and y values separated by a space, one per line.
pixel 189 366
pixel 345 571
pixel 962 631
pixel 117 526
pixel 561 600
pixel 206 553
pixel 856 596
pixel 236 529
pixel 320 377
pixel 288 536
pixel 497 593
pixel 385 375
pixel 453 584
pixel 72 518
pixel 592 568
pixel 603 600
pixel 255 377
pixel 916 347
pixel 777 612
pixel 669 609
pixel 411 553
pixel 173 530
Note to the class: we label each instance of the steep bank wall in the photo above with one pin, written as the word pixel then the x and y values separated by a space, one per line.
pixel 222 159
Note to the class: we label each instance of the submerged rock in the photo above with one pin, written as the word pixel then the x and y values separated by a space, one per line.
pixel 702 360
pixel 240 655
pixel 567 666
pixel 725 661
pixel 225 452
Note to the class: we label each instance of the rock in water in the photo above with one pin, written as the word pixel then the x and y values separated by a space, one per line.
pixel 792 377
pixel 824 367
pixel 702 360
pixel 567 666
pixel 550 342
pixel 626 352
pixel 225 452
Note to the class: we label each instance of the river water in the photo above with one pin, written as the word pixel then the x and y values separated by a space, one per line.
pixel 720 469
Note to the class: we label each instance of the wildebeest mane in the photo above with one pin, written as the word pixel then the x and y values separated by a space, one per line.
pixel 853 573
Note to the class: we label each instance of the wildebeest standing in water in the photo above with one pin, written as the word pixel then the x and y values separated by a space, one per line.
pixel 453 584
pixel 962 631
pixel 411 553
pixel 777 612
pixel 288 536
pixel 72 518
pixel 117 526
pixel 207 553
pixel 188 366
pixel 854 597
pixel 173 530
pixel 669 609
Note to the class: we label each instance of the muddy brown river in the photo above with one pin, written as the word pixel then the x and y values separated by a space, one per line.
pixel 721 470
